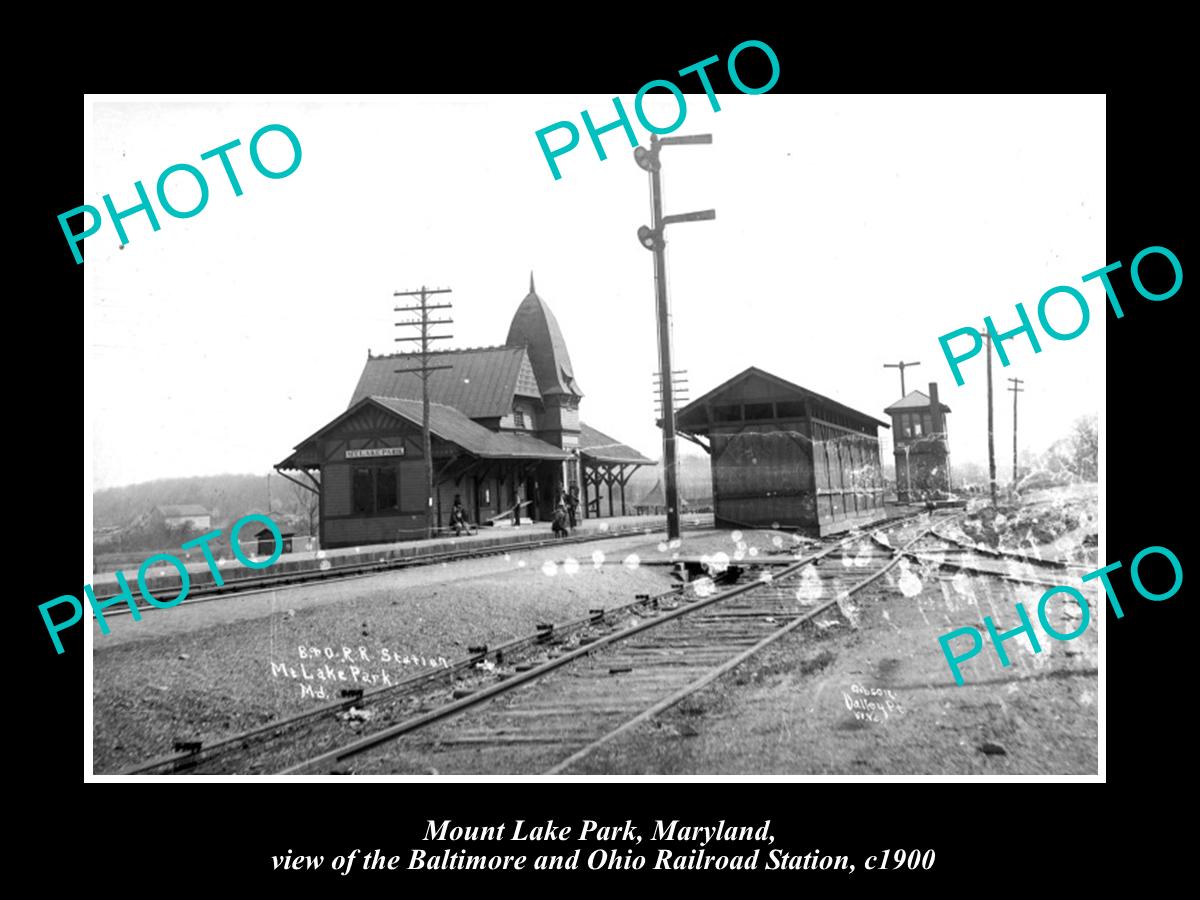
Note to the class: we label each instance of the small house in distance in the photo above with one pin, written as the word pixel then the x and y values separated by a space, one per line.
pixel 785 456
pixel 654 501
pixel 266 541
pixel 187 515
pixel 922 448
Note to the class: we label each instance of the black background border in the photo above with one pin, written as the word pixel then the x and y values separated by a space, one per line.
pixel 975 827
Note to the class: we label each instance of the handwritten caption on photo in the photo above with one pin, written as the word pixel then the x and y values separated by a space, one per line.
pixel 319 666
pixel 872 704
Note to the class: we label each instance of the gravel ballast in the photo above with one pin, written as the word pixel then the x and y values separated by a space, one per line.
pixel 206 671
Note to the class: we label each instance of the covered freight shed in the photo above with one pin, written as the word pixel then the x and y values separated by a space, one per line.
pixel 785 456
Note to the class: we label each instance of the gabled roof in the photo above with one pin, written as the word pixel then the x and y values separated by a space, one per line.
pixel 446 423
pixel 451 425
pixel 600 447
pixel 914 400
pixel 534 327
pixel 185 509
pixel 481 381
pixel 805 393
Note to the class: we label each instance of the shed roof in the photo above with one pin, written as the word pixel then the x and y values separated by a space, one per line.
pixel 600 447
pixel 481 381
pixel 805 393
pixel 914 400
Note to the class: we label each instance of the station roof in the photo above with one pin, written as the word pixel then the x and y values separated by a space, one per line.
pixel 534 326
pixel 445 423
pixel 474 386
pixel 451 425
pixel 914 400
pixel 598 446
pixel 481 381
pixel 819 401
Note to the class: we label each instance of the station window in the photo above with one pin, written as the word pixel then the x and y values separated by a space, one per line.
pixel 364 490
pixel 790 409
pixel 916 426
pixel 928 420
pixel 730 412
pixel 375 489
pixel 760 411
pixel 518 418
pixel 386 494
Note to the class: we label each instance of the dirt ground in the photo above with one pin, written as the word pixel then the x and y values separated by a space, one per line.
pixel 880 698
pixel 205 671
pixel 875 697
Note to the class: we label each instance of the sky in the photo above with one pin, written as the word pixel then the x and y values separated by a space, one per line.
pixel 851 231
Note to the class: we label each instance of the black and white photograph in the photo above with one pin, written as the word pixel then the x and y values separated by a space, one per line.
pixel 688 433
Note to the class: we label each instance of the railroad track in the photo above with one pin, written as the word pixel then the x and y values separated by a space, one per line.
pixel 257 748
pixel 952 554
pixel 257 584
pixel 966 546
pixel 544 718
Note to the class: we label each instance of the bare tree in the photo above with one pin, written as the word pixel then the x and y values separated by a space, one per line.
pixel 305 506
pixel 1078 453
pixel 1085 448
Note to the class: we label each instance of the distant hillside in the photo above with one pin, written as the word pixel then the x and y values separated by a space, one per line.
pixel 694 473
pixel 226 497
pixel 125 528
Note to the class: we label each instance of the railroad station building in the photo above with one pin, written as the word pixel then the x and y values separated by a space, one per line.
pixel 786 457
pixel 504 428
pixel 922 446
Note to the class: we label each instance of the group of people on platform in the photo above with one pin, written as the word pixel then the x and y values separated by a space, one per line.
pixel 563 521
pixel 564 512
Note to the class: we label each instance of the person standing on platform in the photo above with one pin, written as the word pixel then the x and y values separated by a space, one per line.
pixel 560 520
pixel 458 517
pixel 572 505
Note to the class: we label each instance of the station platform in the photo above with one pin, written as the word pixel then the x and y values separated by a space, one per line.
pixel 163 580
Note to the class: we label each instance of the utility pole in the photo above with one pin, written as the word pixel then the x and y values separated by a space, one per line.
pixel 654 238
pixel 679 388
pixel 424 324
pixel 991 430
pixel 1016 389
pixel 901 366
